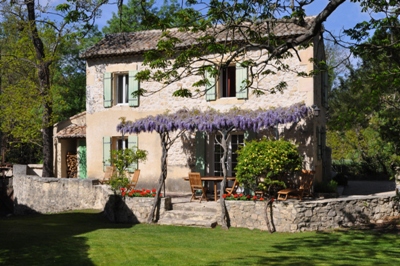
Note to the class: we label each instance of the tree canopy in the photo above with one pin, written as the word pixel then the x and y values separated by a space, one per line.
pixel 139 15
pixel 364 106
pixel 40 42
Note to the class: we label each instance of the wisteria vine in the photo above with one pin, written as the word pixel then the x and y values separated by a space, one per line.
pixel 212 120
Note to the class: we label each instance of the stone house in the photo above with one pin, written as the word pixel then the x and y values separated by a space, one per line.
pixel 111 67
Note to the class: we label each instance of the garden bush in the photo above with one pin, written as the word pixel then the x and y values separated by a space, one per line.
pixel 263 163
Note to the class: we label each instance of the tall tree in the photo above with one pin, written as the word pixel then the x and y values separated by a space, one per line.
pixel 48 29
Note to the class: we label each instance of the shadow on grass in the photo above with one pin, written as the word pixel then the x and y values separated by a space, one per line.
pixel 352 247
pixel 50 239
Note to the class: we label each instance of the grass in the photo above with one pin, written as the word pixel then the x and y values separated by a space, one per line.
pixel 87 238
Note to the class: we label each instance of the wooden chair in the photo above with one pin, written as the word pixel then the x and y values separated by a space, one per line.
pixel 304 189
pixel 196 185
pixel 233 188
pixel 107 175
pixel 133 182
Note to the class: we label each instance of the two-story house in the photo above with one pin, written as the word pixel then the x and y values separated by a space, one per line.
pixel 111 67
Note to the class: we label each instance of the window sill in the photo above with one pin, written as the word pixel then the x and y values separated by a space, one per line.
pixel 227 100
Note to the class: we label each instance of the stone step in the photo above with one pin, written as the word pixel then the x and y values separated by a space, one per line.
pixel 197 206
pixel 190 215
pixel 197 214
pixel 188 222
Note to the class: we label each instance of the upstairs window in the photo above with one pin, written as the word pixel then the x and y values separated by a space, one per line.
pixel 122 85
pixel 228 82
pixel 118 89
pixel 231 83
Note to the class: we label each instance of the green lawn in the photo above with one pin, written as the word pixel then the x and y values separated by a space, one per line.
pixel 87 238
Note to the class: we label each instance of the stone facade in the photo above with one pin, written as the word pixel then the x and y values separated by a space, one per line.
pixel 102 121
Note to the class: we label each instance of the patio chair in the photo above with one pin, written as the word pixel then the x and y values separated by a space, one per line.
pixel 107 175
pixel 197 186
pixel 304 189
pixel 233 188
pixel 133 182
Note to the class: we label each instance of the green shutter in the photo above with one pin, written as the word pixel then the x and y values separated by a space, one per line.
pixel 241 78
pixel 133 144
pixel 133 87
pixel 211 91
pixel 82 170
pixel 107 90
pixel 106 152
pixel 200 152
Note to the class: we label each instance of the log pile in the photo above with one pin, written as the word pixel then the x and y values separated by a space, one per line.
pixel 72 165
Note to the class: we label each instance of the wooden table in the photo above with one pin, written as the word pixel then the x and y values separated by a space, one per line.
pixel 215 180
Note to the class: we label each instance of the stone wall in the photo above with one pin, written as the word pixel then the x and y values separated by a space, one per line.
pixel 52 195
pixel 133 210
pixel 296 216
pixel 34 194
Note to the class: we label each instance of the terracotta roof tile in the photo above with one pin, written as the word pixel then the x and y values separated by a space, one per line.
pixel 72 131
pixel 119 44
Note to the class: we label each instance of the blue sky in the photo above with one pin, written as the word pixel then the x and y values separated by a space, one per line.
pixel 345 16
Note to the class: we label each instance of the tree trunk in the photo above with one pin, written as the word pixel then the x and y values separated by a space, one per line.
pixel 161 180
pixel 43 71
pixel 224 214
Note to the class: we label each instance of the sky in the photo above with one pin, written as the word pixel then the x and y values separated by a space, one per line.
pixel 345 16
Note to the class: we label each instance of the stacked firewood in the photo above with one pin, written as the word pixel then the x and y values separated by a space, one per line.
pixel 72 165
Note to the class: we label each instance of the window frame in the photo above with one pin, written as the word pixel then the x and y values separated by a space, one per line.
pixel 112 91
pixel 215 90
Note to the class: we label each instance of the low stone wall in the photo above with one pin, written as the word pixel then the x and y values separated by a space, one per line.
pixel 133 210
pixel 52 195
pixel 296 216
pixel 34 194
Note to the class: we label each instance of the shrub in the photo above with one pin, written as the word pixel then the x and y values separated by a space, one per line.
pixel 122 159
pixel 263 163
